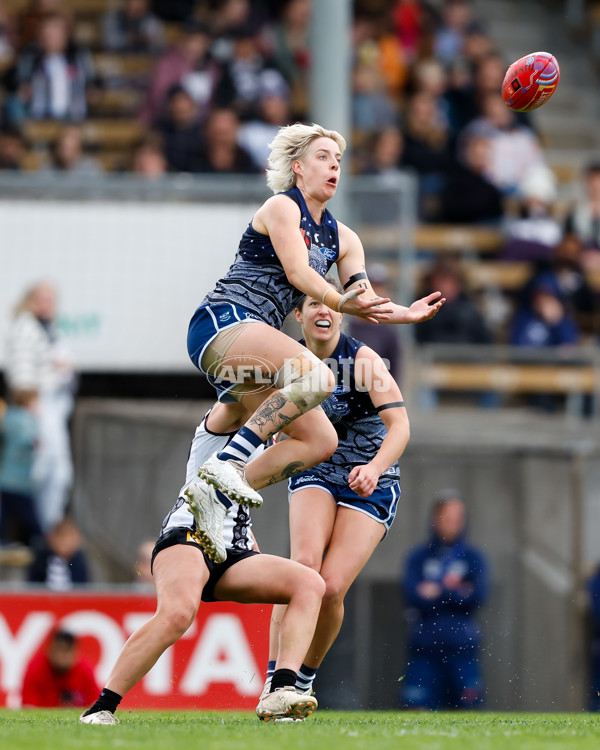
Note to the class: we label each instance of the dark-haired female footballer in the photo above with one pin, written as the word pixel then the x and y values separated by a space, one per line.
pixel 342 508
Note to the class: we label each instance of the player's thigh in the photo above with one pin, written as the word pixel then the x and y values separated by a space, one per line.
pixel 266 579
pixel 311 517
pixel 180 574
pixel 353 540
pixel 261 345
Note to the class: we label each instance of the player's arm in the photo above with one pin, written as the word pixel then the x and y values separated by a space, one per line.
pixel 353 276
pixel 370 372
pixel 279 217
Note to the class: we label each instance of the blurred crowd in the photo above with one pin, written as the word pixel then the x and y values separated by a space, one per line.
pixel 208 82
pixel 222 75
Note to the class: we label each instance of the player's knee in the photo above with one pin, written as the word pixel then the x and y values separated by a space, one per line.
pixel 310 586
pixel 305 381
pixel 177 619
pixel 309 559
pixel 335 592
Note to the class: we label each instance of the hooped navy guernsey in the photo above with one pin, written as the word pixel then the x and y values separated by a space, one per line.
pixel 256 280
pixel 359 427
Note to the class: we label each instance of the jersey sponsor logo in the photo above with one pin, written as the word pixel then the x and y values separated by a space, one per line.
pixel 341 389
pixel 329 253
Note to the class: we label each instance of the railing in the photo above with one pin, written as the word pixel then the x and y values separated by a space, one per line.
pixel 572 373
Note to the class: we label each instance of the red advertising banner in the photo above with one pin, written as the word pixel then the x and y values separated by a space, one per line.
pixel 219 663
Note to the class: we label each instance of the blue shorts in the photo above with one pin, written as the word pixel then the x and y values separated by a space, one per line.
pixel 206 323
pixel 380 506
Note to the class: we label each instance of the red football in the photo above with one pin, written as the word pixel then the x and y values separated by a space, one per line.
pixel 530 81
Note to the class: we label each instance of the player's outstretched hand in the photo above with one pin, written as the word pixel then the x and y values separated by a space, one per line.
pixel 370 309
pixel 363 480
pixel 424 308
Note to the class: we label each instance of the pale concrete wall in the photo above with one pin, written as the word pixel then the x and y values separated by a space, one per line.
pixel 530 489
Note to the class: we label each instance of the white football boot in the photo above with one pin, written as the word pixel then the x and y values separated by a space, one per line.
pixel 285 703
pixel 230 477
pixel 209 514
pixel 100 717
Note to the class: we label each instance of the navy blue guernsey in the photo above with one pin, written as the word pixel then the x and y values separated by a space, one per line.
pixel 359 428
pixel 257 281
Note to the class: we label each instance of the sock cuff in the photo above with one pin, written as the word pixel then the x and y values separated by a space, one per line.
pixel 251 437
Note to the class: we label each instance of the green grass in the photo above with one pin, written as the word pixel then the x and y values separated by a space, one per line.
pixel 327 730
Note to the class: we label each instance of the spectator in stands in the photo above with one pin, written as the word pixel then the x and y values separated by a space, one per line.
pixel 180 131
pixel 68 157
pixel 54 77
pixel 57 677
pixel 7 35
pixel 227 16
pixel 593 590
pixel 190 65
pixel 533 235
pixel 29 19
pixel 514 148
pixel 19 433
pixel 38 359
pixel 445 581
pixel 426 143
pixel 174 10
pixel 449 38
pixel 467 195
pixel 542 318
pixel 220 152
pixel 12 148
pixel 132 27
pixel 571 276
pixel 287 41
pixel 149 159
pixel 372 105
pixel 59 560
pixel 584 219
pixel 255 135
pixel 410 19
pixel 462 322
pixel 382 339
pixel 383 153
pixel 252 76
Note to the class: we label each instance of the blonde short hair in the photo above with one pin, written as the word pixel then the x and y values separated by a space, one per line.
pixel 290 144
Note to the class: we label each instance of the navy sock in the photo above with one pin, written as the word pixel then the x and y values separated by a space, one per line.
pixel 224 499
pixel 107 701
pixel 306 677
pixel 271 669
pixel 241 446
pixel 283 678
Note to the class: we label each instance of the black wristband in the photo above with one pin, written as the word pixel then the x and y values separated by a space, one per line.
pixel 391 405
pixel 356 277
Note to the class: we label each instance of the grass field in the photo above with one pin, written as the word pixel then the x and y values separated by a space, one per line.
pixel 327 730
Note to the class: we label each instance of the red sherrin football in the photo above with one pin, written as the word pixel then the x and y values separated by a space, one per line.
pixel 530 81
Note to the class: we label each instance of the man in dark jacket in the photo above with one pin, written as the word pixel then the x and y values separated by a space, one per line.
pixel 444 582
